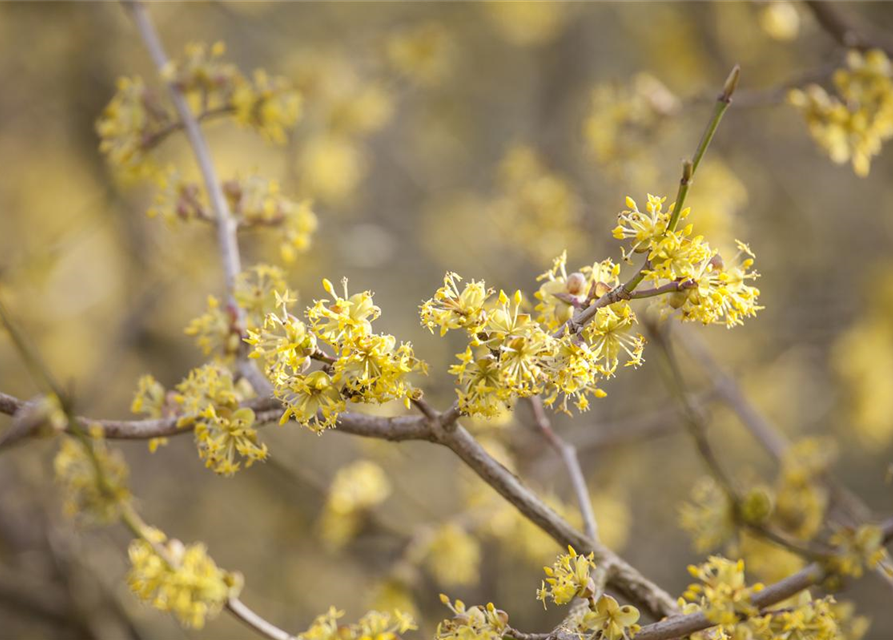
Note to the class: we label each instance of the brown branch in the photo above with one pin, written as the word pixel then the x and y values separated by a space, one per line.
pixel 445 431
pixel 568 455
pixel 846 31
pixel 251 619
pixel 226 225
pixel 625 579
pixel 267 411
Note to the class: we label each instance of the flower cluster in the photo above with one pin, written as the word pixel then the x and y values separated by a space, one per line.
pixel 181 579
pixel 269 105
pixel 343 108
pixel 624 120
pixel 472 623
pixel 207 400
pixel 129 125
pixel 367 367
pixel 721 593
pixel 256 289
pixel 710 289
pixel 512 354
pixel 94 481
pixel 453 556
pixel 801 496
pixel 534 209
pixel 375 625
pixel 857 549
pixel 568 578
pixel 853 124
pixel 808 619
pixel 610 619
pixel 135 119
pixel 257 201
pixel 709 517
pixel 356 489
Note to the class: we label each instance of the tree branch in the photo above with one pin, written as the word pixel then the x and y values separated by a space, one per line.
pixel 568 455
pixel 846 31
pixel 226 224
pixel 680 626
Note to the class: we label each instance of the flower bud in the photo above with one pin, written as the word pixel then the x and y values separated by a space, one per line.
pixel 576 283
pixel 756 506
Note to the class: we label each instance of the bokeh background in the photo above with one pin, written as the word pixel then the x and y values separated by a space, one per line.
pixel 512 132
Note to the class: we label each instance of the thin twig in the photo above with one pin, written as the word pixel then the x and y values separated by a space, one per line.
pixel 261 626
pixel 568 455
pixel 689 167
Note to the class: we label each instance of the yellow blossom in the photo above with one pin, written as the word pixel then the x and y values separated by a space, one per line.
pixel 182 579
pixel 94 482
pixel 611 620
pixel 568 578
pixel 453 556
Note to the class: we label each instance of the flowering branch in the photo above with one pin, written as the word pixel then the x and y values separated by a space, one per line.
pixel 625 291
pixel 681 626
pixel 445 431
pixel 225 222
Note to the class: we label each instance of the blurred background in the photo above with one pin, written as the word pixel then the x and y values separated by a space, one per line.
pixel 493 137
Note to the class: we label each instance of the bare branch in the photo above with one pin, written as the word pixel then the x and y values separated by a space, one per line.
pixel 261 626
pixel 845 30
pixel 568 455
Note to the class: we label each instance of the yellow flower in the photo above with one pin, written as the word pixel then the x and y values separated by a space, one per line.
pixel 609 338
pixel 345 317
pixel 453 556
pixel 710 517
pixel 857 549
pixel 853 125
pixel 132 117
pixel 267 104
pixel 283 343
pixel 643 228
pixel 472 623
pixel 182 579
pixel 222 436
pixel 370 369
pixel 612 621
pixel 258 202
pixel 313 400
pixel 94 483
pixel 375 625
pixel 722 593
pixel 568 578
pixel 454 309
pixel 356 489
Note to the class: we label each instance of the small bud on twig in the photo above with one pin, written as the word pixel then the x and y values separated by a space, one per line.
pixel 731 84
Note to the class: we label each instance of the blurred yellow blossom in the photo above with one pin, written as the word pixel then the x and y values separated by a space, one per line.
pixel 182 579
pixel 852 125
